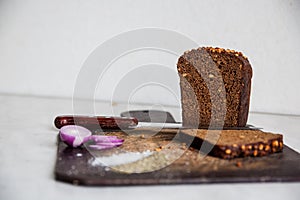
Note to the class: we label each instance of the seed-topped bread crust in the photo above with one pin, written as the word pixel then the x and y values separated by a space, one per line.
pixel 236 143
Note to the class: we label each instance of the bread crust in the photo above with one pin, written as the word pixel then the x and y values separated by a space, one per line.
pixel 230 144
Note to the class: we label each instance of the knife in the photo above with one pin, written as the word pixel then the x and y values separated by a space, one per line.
pixel 131 120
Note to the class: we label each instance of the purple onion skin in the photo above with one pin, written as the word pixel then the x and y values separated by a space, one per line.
pixel 110 144
pixel 67 139
pixel 97 147
pixel 102 137
pixel 106 144
pixel 109 141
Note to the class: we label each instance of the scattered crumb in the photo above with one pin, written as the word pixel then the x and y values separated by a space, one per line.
pixel 238 164
pixel 159 148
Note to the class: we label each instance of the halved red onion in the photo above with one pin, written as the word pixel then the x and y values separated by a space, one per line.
pixel 75 136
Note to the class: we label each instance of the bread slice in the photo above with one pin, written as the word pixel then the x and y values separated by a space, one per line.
pixel 215 87
pixel 234 143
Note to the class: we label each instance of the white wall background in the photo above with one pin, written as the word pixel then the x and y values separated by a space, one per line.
pixel 44 43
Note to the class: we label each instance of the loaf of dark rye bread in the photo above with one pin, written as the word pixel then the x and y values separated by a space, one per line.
pixel 215 87
pixel 234 143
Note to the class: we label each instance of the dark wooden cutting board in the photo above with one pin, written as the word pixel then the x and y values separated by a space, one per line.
pixel 73 165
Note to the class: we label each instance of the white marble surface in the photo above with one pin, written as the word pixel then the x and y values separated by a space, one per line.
pixel 28 150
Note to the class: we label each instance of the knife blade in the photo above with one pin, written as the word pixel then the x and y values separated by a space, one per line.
pixel 164 119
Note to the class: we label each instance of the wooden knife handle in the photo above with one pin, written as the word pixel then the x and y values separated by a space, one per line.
pixel 94 122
